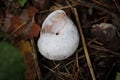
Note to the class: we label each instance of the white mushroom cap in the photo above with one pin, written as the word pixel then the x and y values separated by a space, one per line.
pixel 59 37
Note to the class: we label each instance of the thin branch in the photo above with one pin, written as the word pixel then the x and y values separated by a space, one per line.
pixel 62 7
pixel 116 5
pixel 84 46
pixel 36 60
pixel 95 6
pixel 18 28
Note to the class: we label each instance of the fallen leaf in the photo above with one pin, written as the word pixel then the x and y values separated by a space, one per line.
pixel 26 50
pixel 31 11
pixel 15 22
pixel 7 22
pixel 20 26
pixel 17 26
pixel 34 30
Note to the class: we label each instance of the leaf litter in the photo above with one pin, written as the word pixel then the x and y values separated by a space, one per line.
pixel 22 24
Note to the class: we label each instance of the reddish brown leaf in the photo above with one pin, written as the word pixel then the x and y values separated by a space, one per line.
pixel 20 25
pixel 16 27
pixel 15 22
pixel 26 51
pixel 34 30
pixel 31 11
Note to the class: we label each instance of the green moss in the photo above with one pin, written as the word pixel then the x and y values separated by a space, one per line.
pixel 21 2
pixel 11 63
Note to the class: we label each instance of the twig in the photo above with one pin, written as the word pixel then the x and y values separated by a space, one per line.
pixel 84 46
pixel 49 68
pixel 76 66
pixel 100 48
pixel 88 4
pixel 100 3
pixel 78 58
pixel 62 7
pixel 118 33
pixel 36 59
pixel 106 78
pixel 68 75
pixel 67 70
pixel 69 5
pixel 77 62
pixel 116 5
pixel 18 28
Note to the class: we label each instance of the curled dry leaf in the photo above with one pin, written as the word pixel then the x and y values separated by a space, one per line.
pixel 34 30
pixel 31 11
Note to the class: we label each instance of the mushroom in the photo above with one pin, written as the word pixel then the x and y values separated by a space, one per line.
pixel 59 37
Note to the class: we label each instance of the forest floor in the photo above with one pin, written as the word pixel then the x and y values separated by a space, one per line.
pixel 20 25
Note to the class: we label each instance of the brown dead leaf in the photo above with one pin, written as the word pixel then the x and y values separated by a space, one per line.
pixel 6 25
pixel 15 22
pixel 31 11
pixel 30 28
pixel 34 30
pixel 22 25
pixel 16 25
pixel 26 50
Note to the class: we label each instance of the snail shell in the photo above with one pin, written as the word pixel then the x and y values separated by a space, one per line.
pixel 59 37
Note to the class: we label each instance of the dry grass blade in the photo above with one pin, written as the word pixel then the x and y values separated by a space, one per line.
pixel 76 68
pixel 116 4
pixel 62 7
pixel 95 6
pixel 99 3
pixel 18 28
pixel 36 60
pixel 84 46
pixel 100 48
pixel 118 33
